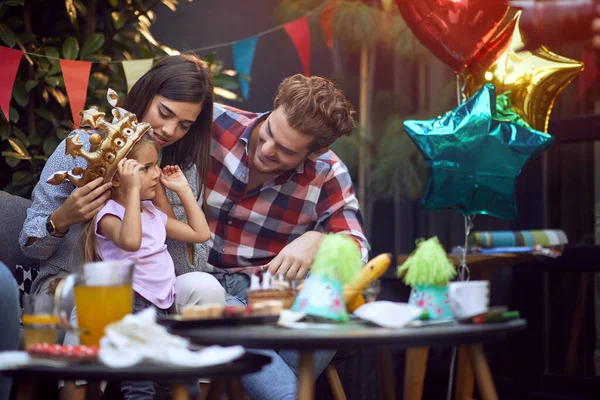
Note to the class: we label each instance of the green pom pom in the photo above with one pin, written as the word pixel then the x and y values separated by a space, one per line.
pixel 338 257
pixel 427 265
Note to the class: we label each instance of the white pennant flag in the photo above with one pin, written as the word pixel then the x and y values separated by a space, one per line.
pixel 134 70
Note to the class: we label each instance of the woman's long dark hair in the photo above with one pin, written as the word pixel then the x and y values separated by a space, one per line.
pixel 184 78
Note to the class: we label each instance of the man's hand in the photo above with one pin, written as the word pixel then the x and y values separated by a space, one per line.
pixel 295 259
pixel 173 179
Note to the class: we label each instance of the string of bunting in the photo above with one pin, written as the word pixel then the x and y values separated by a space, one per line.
pixel 76 73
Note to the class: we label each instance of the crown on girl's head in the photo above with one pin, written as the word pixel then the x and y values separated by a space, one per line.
pixel 107 149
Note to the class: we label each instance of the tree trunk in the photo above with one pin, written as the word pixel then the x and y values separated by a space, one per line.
pixel 362 119
pixel 370 147
pixel 336 55
pixel 90 21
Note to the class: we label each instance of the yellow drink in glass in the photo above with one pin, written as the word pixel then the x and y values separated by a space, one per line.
pixel 39 328
pixel 98 306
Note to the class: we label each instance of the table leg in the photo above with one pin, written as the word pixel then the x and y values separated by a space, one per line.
pixel 464 376
pixel 571 355
pixel 386 377
pixel 179 391
pixel 92 391
pixel 414 372
pixel 25 390
pixel 234 386
pixel 215 389
pixel 335 384
pixel 305 376
pixel 485 383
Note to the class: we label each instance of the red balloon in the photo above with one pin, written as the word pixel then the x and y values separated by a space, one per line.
pixel 453 30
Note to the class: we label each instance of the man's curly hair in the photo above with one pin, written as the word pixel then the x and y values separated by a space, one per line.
pixel 314 107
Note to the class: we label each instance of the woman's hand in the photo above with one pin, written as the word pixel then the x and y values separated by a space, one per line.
pixel 173 179
pixel 129 175
pixel 81 205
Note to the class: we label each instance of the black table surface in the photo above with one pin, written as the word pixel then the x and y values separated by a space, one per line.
pixel 351 336
pixel 246 364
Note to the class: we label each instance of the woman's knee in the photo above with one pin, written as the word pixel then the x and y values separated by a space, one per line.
pixel 198 288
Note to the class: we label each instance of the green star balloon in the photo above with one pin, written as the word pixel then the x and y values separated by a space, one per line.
pixel 475 154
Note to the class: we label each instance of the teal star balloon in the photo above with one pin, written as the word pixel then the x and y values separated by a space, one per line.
pixel 475 155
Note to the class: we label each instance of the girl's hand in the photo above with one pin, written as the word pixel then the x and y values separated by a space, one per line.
pixel 173 179
pixel 82 204
pixel 129 174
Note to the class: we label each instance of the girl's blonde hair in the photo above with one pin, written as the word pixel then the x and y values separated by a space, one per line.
pixel 89 252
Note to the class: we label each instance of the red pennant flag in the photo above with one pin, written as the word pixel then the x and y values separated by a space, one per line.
pixel 76 75
pixel 8 73
pixel 300 34
pixel 327 21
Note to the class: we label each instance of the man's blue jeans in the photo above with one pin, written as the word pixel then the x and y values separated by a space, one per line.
pixel 9 320
pixel 278 380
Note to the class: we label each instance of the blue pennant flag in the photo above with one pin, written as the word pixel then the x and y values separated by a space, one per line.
pixel 243 56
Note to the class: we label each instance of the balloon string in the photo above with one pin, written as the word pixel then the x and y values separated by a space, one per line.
pixel 463 270
pixel 461 84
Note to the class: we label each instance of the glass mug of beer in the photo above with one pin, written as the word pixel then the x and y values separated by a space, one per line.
pixel 103 295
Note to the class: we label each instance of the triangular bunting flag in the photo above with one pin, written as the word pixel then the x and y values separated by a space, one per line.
pixel 76 75
pixel 300 35
pixel 243 56
pixel 327 21
pixel 134 70
pixel 8 72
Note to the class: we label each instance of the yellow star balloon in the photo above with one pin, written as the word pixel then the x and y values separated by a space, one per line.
pixel 534 78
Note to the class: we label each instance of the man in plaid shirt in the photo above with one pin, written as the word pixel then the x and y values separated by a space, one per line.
pixel 274 189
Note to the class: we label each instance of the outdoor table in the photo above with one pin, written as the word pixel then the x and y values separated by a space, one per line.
pixel 354 336
pixel 178 377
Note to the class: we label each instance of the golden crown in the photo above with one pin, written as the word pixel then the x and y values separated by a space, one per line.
pixel 107 148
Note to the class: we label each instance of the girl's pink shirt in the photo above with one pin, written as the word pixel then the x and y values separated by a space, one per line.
pixel 154 273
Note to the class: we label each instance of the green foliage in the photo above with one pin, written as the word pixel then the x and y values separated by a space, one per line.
pixel 404 43
pixel 40 116
pixel 399 166
pixel 356 24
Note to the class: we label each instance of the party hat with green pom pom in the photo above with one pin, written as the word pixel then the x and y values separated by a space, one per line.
pixel 337 262
pixel 428 265
pixel 428 271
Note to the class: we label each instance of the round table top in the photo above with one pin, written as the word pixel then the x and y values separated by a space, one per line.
pixel 350 336
pixel 246 364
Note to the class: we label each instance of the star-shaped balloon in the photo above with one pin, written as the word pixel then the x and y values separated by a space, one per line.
pixel 535 78
pixel 474 156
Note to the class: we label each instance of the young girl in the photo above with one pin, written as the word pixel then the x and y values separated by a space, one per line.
pixel 130 227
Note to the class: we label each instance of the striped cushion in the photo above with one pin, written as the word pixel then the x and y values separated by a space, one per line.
pixel 546 238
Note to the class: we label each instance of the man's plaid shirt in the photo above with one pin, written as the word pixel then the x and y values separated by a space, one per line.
pixel 249 229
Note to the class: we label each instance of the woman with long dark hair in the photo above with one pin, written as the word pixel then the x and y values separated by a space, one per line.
pixel 176 98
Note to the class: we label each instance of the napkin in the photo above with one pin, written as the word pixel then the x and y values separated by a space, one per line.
pixel 18 359
pixel 388 314
pixel 137 338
